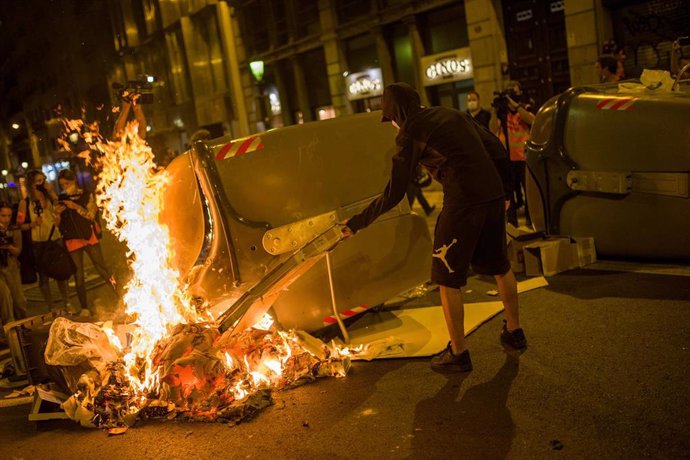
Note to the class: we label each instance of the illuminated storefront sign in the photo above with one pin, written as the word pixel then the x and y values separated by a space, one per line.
pixel 445 67
pixel 362 85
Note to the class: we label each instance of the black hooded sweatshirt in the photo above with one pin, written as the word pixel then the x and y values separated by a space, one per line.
pixel 455 149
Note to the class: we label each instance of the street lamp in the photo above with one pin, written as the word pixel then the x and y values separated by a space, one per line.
pixel 15 125
pixel 257 69
pixel 25 164
pixel 4 172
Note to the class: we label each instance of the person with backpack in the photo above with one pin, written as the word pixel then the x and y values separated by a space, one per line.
pixel 36 214
pixel 76 213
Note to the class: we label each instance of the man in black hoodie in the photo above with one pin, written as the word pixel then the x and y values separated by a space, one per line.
pixel 458 153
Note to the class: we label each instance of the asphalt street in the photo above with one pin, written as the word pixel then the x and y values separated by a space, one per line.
pixel 605 376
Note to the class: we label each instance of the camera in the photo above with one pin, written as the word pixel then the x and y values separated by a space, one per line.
pixel 5 239
pixel 500 102
pixel 42 188
pixel 683 41
pixel 501 98
pixel 142 87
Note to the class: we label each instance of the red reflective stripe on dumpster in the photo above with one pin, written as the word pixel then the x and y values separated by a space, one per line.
pixel 223 150
pixel 628 106
pixel 345 314
pixel 240 147
pixel 625 103
pixel 603 103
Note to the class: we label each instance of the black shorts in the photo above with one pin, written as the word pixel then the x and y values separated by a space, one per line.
pixel 472 235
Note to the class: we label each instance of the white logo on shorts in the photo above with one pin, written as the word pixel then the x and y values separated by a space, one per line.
pixel 441 252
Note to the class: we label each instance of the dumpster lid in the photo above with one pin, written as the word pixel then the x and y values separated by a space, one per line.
pixel 254 303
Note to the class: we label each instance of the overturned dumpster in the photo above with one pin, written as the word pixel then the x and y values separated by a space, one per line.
pixel 615 166
pixel 237 209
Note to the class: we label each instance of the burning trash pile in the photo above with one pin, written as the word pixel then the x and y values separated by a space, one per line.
pixel 202 375
pixel 171 360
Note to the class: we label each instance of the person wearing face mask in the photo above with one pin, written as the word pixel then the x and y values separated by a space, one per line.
pixel 470 229
pixel 475 109
pixel 76 216
pixel 36 213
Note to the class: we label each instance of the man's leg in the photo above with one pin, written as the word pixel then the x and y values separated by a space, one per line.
pixel 454 311
pixel 507 288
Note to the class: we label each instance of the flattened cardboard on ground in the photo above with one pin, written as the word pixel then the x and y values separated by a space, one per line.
pixel 418 332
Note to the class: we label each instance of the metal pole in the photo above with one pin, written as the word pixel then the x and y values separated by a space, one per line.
pixel 343 330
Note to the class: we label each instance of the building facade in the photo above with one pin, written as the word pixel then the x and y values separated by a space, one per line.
pixel 235 67
pixel 319 58
pixel 330 58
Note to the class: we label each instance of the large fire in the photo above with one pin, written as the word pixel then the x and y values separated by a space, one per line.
pixel 175 361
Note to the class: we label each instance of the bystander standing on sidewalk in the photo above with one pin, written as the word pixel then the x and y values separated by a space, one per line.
pixel 474 107
pixel 76 217
pixel 12 300
pixel 36 213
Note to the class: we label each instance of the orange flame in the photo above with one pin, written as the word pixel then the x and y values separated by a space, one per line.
pixel 129 193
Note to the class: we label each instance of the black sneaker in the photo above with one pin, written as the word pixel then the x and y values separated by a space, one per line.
pixel 515 340
pixel 447 361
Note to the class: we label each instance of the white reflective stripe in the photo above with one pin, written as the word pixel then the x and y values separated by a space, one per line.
pixel 627 104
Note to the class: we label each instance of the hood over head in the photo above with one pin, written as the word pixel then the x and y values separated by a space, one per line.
pixel 400 102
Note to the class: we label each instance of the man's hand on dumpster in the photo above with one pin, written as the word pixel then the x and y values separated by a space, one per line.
pixel 347 232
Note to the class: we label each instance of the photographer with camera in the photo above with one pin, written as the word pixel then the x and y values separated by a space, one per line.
pixel 512 116
pixel 131 97
pixel 76 217
pixel 36 214
pixel 12 300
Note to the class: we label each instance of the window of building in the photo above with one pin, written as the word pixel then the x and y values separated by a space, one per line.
pixel 325 112
pixel 402 54
pixel 280 24
pixel 350 10
pixel 452 95
pixel 316 76
pixel 206 56
pixel 170 11
pixel 360 52
pixel 306 18
pixel 255 16
pixel 178 69
pixel 150 11
pixel 445 29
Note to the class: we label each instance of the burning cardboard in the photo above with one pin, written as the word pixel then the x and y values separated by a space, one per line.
pixel 203 375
